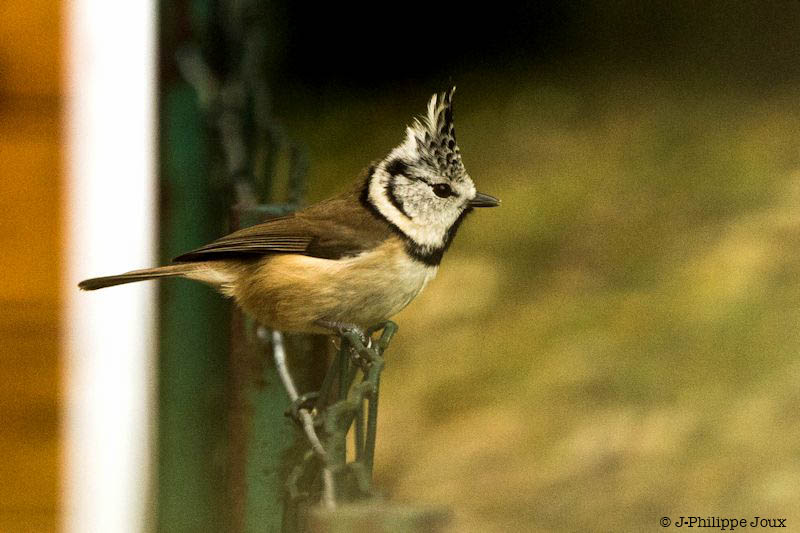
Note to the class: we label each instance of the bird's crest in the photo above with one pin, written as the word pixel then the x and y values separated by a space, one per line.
pixel 433 137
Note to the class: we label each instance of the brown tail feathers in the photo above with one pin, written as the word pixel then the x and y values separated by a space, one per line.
pixel 138 275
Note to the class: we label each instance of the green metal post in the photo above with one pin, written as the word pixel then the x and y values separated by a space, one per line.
pixel 192 368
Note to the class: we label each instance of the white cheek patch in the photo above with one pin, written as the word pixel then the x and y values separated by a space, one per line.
pixel 466 189
pixel 431 234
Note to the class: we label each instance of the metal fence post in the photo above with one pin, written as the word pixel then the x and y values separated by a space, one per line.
pixel 192 370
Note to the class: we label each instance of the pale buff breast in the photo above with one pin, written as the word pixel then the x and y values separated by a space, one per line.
pixel 289 292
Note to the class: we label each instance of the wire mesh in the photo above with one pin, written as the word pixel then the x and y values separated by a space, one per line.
pixel 337 410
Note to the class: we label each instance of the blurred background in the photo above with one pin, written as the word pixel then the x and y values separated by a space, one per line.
pixel 618 342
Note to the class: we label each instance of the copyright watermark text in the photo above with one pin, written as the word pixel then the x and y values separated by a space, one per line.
pixel 723 524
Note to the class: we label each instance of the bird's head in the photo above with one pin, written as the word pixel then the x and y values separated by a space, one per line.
pixel 422 187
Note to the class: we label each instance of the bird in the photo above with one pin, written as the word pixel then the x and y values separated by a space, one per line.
pixel 353 260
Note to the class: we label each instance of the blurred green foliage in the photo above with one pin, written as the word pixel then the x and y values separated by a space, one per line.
pixel 618 341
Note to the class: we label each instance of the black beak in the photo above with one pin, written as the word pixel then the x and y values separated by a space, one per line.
pixel 484 200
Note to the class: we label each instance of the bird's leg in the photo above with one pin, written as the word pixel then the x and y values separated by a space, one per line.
pixel 359 349
pixel 344 327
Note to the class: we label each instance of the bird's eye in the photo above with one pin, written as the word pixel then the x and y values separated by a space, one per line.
pixel 442 190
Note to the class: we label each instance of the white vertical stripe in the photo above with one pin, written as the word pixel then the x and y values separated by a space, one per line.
pixel 108 335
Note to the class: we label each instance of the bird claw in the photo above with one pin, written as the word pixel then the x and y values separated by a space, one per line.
pixel 365 339
pixel 343 328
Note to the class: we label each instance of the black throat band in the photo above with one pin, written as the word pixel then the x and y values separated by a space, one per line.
pixel 431 256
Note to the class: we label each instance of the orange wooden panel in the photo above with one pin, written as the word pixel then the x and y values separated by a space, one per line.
pixel 29 199
pixel 30 263
pixel 30 190
pixel 30 47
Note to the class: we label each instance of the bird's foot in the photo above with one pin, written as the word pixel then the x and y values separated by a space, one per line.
pixel 346 329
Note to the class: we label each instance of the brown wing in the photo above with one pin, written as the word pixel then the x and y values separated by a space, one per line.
pixel 335 228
